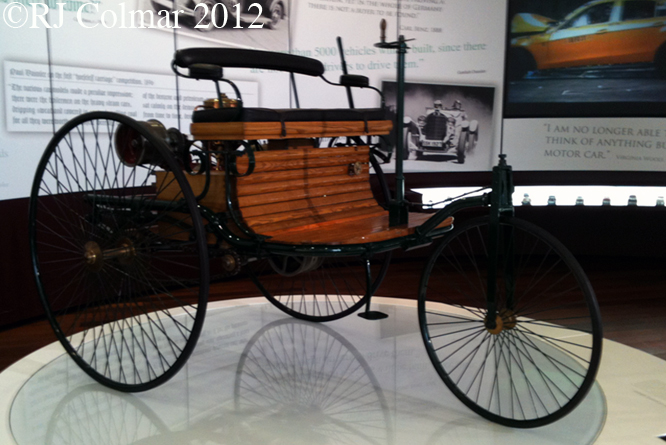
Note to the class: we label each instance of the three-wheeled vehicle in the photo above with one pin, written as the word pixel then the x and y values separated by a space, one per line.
pixel 130 221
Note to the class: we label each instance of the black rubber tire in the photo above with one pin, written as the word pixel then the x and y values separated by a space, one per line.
pixel 122 276
pixel 526 374
pixel 461 148
pixel 660 62
pixel 405 146
pixel 472 140
pixel 323 289
pixel 519 64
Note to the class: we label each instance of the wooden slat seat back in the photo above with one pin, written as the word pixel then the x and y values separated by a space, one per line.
pixel 314 196
pixel 241 130
pixel 304 187
pixel 302 195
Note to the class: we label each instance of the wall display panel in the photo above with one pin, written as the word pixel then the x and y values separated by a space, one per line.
pixel 574 58
pixel 608 144
pixel 61 61
pixel 455 42
pixel 262 24
pixel 446 127
pixel 16 150
pixel 115 55
pixel 585 85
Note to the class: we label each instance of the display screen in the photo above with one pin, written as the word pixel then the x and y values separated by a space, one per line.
pixel 578 58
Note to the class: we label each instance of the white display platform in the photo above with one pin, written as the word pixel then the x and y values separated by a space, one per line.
pixel 258 376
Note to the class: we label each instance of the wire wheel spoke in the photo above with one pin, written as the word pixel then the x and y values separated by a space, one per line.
pixel 540 357
pixel 317 288
pixel 290 364
pixel 119 251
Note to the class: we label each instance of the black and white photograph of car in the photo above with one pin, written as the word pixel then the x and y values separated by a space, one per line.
pixel 444 123
pixel 210 14
pixel 259 24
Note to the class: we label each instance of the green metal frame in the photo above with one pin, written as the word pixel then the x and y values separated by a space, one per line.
pixel 498 199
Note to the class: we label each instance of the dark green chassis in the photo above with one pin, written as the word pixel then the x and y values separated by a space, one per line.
pixel 259 246
pixel 495 331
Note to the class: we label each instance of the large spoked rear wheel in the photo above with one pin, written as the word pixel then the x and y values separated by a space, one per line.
pixel 317 288
pixel 541 356
pixel 118 251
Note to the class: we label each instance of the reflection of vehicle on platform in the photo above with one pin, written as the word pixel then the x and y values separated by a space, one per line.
pixel 601 32
pixel 441 130
pixel 260 13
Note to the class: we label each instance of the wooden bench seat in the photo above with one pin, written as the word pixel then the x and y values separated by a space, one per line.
pixel 295 195
pixel 316 196
pixel 302 196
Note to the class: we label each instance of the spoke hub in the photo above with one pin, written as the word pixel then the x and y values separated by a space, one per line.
pixel 499 325
pixel 504 321
pixel 95 257
pixel 508 318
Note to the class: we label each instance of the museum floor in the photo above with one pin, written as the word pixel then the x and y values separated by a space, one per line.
pixel 219 398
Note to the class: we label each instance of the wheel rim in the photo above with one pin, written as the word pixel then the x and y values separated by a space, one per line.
pixel 89 414
pixel 317 288
pixel 124 281
pixel 539 359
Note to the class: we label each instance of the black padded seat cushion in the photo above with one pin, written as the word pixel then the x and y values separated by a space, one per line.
pixel 289 115
pixel 249 58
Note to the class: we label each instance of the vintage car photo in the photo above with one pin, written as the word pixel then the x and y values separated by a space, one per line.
pixel 257 24
pixel 600 32
pixel 440 131
pixel 444 124
pixel 206 15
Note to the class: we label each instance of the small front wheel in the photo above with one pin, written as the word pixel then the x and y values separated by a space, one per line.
pixel 537 359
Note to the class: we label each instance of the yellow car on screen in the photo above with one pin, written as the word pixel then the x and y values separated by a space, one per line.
pixel 601 32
